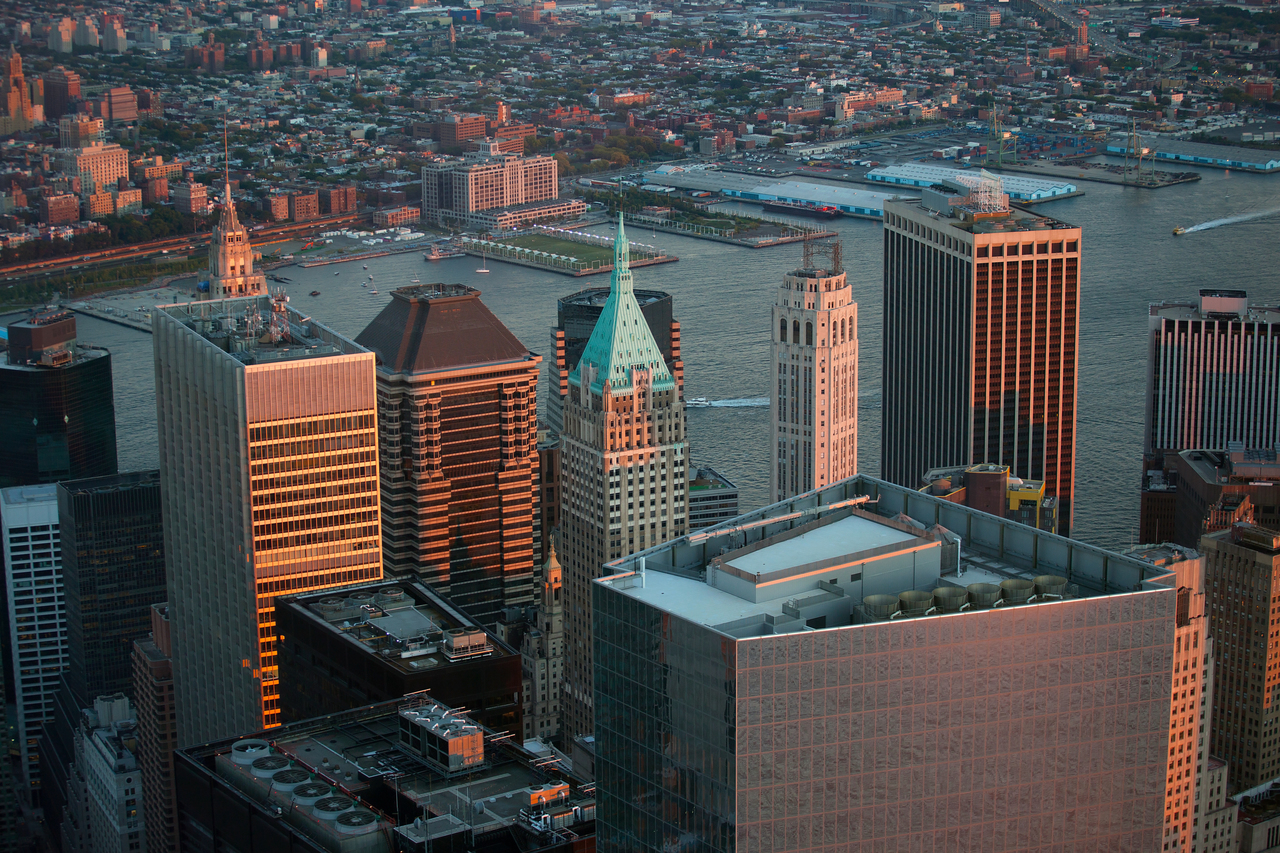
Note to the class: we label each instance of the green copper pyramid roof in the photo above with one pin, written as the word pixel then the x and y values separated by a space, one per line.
pixel 621 341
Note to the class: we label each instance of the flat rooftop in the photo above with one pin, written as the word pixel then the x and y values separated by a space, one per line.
pixel 817 560
pixel 595 297
pixel 926 174
pixel 753 188
pixel 398 624
pixel 260 329
pixel 1015 220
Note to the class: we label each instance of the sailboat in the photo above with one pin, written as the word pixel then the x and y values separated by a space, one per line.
pixel 484 267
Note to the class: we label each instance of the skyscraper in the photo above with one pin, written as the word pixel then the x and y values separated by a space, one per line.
pixel 1212 373
pixel 61 91
pixel 57 412
pixel 269 472
pixel 813 392
pixel 457 397
pixel 1212 370
pixel 577 315
pixel 36 614
pixel 981 328
pixel 157 731
pixel 825 674
pixel 1242 579
pixel 624 484
pixel 113 571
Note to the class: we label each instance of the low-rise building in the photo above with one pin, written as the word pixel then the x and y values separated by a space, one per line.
pixel 396 216
pixel 990 488
pixel 405 776
pixel 712 498
pixel 342 648
pixel 59 209
pixel 191 198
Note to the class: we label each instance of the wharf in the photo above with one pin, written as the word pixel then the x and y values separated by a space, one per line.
pixel 404 248
pixel 700 232
pixel 537 265
pixel 1099 173
pixel 129 320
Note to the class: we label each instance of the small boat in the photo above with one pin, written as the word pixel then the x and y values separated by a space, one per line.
pixel 484 267
pixel 366 266
pixel 364 284
pixel 415 280
pixel 315 293
pixel 1179 231
pixel 370 276
pixel 374 291
pixel 697 403
pixel 335 273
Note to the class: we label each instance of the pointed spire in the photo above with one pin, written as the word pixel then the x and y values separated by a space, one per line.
pixel 621 282
pixel 229 220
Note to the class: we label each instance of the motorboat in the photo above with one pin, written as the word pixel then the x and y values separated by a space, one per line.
pixel 315 293
pixel 1179 231
pixel 697 402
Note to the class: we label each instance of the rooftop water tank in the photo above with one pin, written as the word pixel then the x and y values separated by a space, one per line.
pixel 983 594
pixel 880 606
pixel 1051 585
pixel 913 602
pixel 949 599
pixel 1017 590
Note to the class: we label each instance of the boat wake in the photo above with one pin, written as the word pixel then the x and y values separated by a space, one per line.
pixel 1231 220
pixel 735 403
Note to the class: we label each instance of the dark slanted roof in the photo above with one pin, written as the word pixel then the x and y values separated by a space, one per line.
pixel 430 327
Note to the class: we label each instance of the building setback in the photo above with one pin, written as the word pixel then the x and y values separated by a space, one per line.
pixel 807 680
pixel 624 457
pixel 813 390
pixel 457 397
pixel 981 331
pixel 269 472
pixel 57 410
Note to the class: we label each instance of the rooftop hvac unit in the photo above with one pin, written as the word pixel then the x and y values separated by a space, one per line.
pixel 310 793
pixel 1051 585
pixel 247 751
pixel 356 822
pixel 1017 590
pixel 914 602
pixel 983 594
pixel 287 781
pixel 359 599
pixel 268 766
pixel 880 606
pixel 950 599
pixel 330 807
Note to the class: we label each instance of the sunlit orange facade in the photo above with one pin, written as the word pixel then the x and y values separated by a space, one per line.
pixel 268 458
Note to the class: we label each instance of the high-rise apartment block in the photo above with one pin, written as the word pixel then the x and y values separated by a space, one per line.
pixel 113 572
pixel 813 385
pixel 231 256
pixel 1242 577
pixel 865 667
pixel 99 165
pixel 190 197
pixel 37 641
pixel 1212 373
pixel 57 410
pixel 78 131
pixel 981 330
pixel 624 457
pixel 494 190
pixel 269 471
pixel 576 317
pixel 457 398
pixel 157 731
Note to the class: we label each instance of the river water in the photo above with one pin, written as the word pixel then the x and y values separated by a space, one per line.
pixel 723 295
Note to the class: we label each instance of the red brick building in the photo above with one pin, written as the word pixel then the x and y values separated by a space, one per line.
pixel 304 206
pixel 59 209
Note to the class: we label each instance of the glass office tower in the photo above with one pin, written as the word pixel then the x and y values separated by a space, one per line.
pixel 821 677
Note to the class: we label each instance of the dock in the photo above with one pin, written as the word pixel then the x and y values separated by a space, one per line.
pixel 402 249
pixel 538 265
pixel 130 320
pixel 703 232
pixel 1099 173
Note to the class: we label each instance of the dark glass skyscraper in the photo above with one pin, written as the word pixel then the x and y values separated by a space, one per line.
pixel 57 413
pixel 113 571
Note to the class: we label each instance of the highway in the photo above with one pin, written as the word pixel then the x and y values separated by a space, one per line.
pixel 179 247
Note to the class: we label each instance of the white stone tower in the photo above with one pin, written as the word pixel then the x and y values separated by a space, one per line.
pixel 813 390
